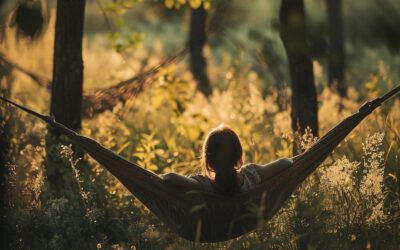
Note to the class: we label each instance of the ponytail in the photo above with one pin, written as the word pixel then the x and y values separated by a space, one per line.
pixel 226 180
pixel 222 155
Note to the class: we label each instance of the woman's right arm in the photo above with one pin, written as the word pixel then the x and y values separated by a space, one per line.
pixel 271 169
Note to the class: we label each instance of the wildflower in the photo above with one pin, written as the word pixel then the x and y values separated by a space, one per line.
pixel 339 175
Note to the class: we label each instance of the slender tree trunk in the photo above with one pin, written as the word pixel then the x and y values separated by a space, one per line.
pixel 293 34
pixel 197 40
pixel 66 93
pixel 67 85
pixel 336 56
pixel 4 146
pixel 304 100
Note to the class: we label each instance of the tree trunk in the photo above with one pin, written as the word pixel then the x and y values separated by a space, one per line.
pixel 336 56
pixel 66 93
pixel 5 237
pixel 304 111
pixel 67 85
pixel 293 34
pixel 197 39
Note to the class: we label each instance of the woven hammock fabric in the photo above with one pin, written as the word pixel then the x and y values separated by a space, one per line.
pixel 209 217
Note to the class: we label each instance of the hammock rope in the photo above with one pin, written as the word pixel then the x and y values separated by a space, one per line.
pixel 211 217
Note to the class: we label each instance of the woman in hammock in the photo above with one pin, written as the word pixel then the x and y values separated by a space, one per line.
pixel 222 166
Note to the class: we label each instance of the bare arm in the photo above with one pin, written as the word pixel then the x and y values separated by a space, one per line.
pixel 182 181
pixel 271 169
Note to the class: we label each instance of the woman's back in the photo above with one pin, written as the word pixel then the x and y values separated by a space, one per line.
pixel 248 178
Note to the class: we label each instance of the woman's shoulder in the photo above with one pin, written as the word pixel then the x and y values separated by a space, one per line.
pixel 204 181
pixel 249 172
pixel 251 176
pixel 199 177
pixel 249 167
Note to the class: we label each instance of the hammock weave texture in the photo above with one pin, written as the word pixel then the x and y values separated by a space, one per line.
pixel 209 217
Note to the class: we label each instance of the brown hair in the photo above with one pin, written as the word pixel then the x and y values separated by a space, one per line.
pixel 222 155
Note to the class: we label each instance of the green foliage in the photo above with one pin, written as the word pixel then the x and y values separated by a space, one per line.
pixel 120 7
pixel 192 3
pixel 351 202
pixel 121 37
pixel 123 41
pixel 341 205
pixel 147 154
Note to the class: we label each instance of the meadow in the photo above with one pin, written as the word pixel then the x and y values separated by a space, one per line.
pixel 351 202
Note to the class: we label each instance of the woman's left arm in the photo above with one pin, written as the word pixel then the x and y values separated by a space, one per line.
pixel 180 180
pixel 271 169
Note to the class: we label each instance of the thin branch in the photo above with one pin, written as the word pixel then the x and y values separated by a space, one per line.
pixel 104 14
pixel 111 28
pixel 41 80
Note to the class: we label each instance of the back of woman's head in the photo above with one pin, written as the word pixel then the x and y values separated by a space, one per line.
pixel 222 154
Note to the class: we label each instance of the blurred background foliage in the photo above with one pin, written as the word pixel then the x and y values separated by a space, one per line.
pixel 352 201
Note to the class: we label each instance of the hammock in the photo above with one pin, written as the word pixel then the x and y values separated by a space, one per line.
pixel 209 217
pixel 96 101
